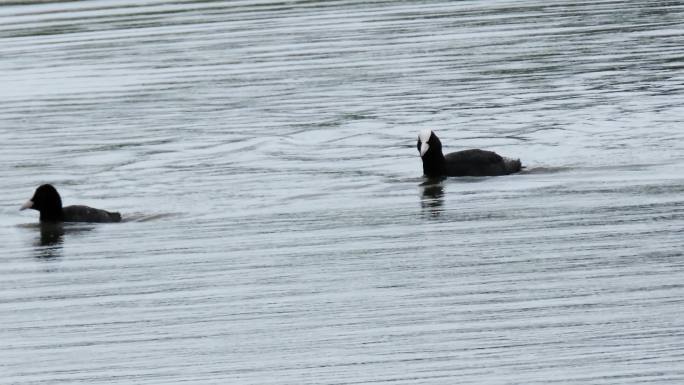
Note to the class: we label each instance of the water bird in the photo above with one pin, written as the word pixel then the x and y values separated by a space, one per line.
pixel 472 162
pixel 47 201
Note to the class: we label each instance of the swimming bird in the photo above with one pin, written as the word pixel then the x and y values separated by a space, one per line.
pixel 461 163
pixel 47 201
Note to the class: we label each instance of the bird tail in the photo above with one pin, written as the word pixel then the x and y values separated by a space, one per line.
pixel 513 165
pixel 116 217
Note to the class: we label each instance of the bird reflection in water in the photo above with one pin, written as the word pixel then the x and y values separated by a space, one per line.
pixel 432 196
pixel 49 245
pixel 51 241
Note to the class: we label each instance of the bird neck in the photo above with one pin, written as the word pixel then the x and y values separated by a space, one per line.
pixel 52 215
pixel 433 163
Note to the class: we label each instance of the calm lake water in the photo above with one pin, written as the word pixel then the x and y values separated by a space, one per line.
pixel 277 228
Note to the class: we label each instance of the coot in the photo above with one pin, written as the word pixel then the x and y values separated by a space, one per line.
pixel 47 201
pixel 461 163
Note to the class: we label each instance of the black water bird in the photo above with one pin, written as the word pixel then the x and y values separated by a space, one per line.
pixel 47 201
pixel 461 163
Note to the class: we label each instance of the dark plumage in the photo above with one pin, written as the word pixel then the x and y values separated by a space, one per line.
pixel 461 163
pixel 47 201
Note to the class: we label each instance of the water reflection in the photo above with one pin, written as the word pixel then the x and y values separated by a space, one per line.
pixel 51 234
pixel 432 196
pixel 49 244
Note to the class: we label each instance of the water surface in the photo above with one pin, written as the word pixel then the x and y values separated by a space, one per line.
pixel 278 230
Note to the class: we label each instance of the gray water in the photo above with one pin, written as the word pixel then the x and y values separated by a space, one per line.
pixel 277 229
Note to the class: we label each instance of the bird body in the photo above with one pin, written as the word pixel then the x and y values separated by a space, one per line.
pixel 79 213
pixel 47 201
pixel 472 162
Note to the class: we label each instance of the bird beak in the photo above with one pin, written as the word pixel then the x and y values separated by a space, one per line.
pixel 423 148
pixel 27 205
